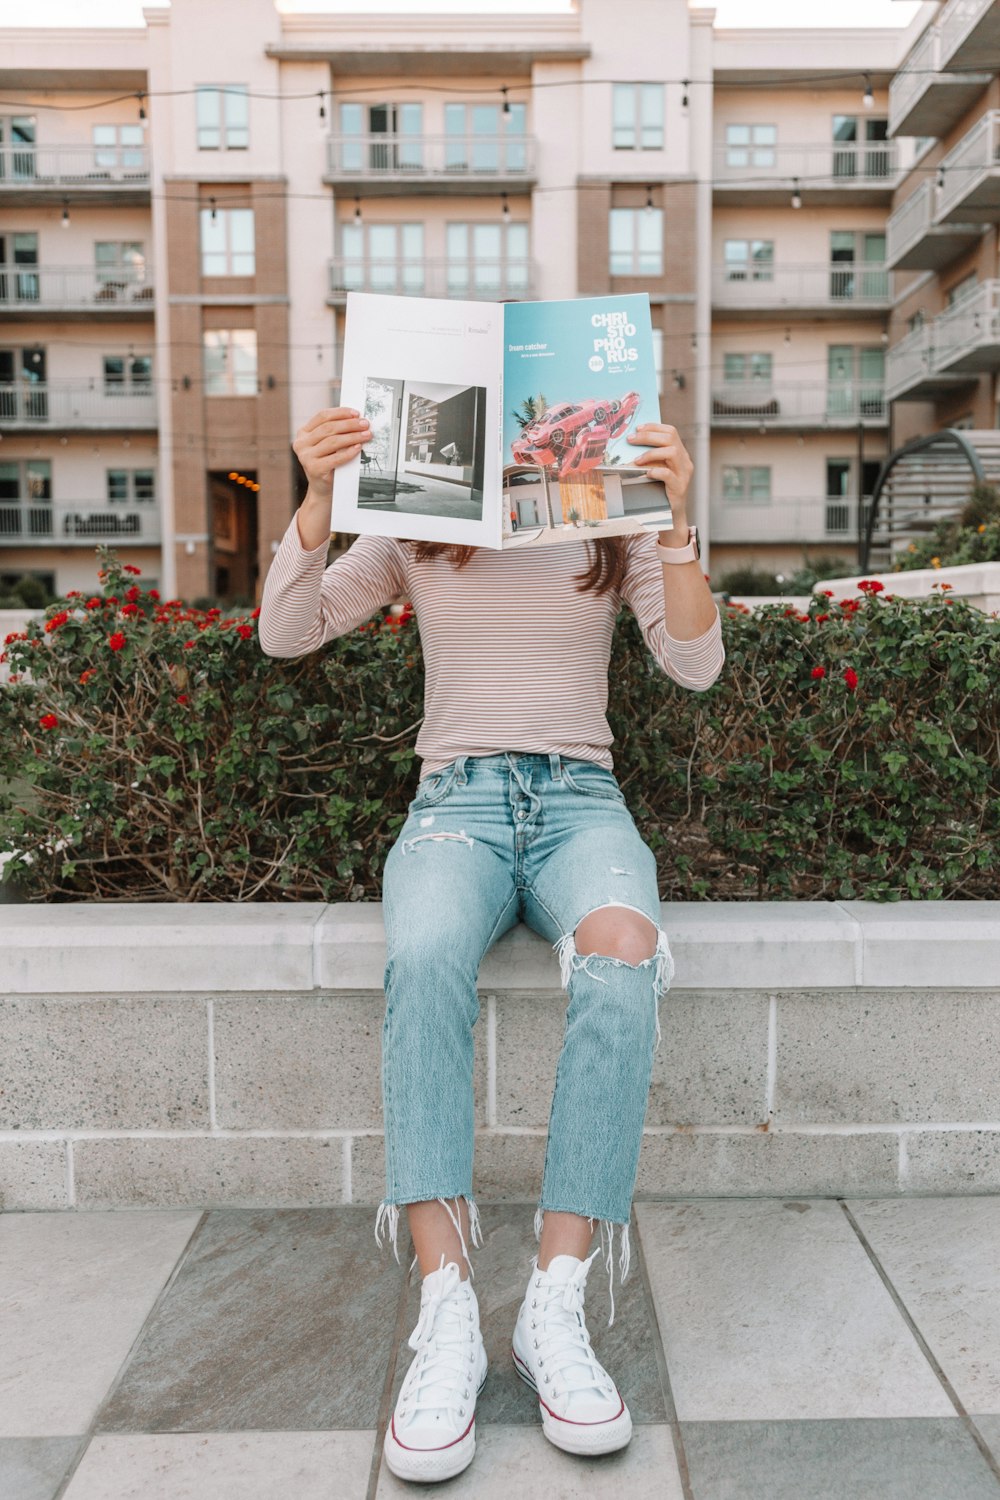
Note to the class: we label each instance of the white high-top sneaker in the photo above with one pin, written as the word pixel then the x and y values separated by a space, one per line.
pixel 581 1408
pixel 432 1434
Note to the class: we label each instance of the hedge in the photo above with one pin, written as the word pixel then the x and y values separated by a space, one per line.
pixel 154 752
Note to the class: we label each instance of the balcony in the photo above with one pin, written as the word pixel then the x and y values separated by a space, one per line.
pixel 804 404
pixel 807 519
pixel 383 164
pixel 967 336
pixel 68 405
pixel 912 372
pixel 915 242
pixel 68 523
pixel 35 174
pixel 811 290
pixel 925 100
pixel 971 191
pixel 830 173
pixel 76 292
pixel 970 35
pixel 498 281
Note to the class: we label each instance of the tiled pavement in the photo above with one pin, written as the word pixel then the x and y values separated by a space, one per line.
pixel 770 1349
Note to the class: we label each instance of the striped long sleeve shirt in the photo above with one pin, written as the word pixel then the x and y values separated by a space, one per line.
pixel 515 656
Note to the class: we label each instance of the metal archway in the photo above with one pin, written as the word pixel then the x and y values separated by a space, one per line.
pixel 924 482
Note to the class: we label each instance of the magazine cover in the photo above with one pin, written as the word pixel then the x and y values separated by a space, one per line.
pixel 499 424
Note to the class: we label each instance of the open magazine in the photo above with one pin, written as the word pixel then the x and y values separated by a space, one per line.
pixel 499 424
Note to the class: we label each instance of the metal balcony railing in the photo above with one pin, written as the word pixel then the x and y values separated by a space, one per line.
pixel 35 166
pixel 805 518
pixel 69 403
pixel 61 523
pixel 819 164
pixel 59 288
pixel 505 279
pixel 966 167
pixel 753 403
pixel 814 284
pixel 914 77
pixel 447 157
pixel 969 332
pixel 956 22
pixel 910 222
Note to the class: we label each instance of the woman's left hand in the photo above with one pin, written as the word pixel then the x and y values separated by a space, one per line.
pixel 667 459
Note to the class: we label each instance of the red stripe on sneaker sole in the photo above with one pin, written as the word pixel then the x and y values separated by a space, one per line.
pixel 526 1375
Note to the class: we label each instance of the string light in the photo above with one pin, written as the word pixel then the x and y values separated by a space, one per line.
pixel 212 205
pixel 796 195
pixel 357 210
pixel 506 101
pixel 65 213
pixel 322 107
pixel 142 111
pixel 649 200
pixel 869 100
pixel 506 208
pixel 684 98
pixel 940 175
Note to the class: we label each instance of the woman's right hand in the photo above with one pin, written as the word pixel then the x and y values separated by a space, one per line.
pixel 332 437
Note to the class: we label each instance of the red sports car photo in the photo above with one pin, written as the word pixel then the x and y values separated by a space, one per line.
pixel 573 437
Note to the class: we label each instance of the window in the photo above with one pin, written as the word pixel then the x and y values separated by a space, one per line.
pixel 857 266
pixel 749 260
pixel 916 320
pixel 230 356
pixel 17 136
pixel 130 486
pixel 481 138
pixel 858 153
pixel 751 145
pixel 961 289
pixel 227 242
pixel 381 137
pixel 635 238
pixel 637 116
pixel 119 262
pixel 381 257
pixel 747 483
pixel 119 146
pixel 487 258
pixel 757 367
pixel 26 498
pixel 223 116
pixel 855 381
pixel 128 375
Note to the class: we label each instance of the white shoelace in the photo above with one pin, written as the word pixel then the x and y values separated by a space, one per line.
pixel 560 1334
pixel 442 1376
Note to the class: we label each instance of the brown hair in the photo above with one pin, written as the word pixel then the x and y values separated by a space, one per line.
pixel 606 570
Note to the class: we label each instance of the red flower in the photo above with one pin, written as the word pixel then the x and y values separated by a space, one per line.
pixel 134 593
pixel 128 568
pixel 851 678
pixel 820 618
pixel 827 593
pixel 57 620
pixel 87 675
pixel 871 586
pixel 182 697
pixel 49 721
pixel 73 594
pixel 818 672
pixel 789 612
pixel 153 594
pixel 188 645
pixel 14 636
pixel 94 603
pixel 116 641
pixel 254 613
pixel 111 599
pixel 213 612
pixel 246 631
pixel 130 609
pixel 943 586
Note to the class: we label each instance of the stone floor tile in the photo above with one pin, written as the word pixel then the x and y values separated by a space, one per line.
pixel 32 1467
pixel 74 1292
pixel 770 1309
pixel 224 1466
pixel 280 1320
pixel 942 1255
pixel 502 1266
pixel 915 1458
pixel 989 1426
pixel 510 1461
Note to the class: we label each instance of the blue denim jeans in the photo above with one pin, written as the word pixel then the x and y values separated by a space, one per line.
pixel 490 841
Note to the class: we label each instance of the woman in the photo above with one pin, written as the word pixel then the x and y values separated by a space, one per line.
pixel 517 816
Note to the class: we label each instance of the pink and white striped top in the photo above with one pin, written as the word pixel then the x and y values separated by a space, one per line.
pixel 515 657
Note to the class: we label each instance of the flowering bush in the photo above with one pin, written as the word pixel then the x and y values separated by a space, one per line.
pixel 846 751
pixel 973 536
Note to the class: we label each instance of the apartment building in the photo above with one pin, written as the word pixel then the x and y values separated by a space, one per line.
pixel 185 205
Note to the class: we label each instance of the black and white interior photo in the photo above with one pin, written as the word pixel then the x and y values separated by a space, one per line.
pixel 427 448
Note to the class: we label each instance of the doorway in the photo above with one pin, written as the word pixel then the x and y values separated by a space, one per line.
pixel 233 514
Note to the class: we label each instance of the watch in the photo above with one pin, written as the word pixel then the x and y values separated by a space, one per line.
pixel 690 553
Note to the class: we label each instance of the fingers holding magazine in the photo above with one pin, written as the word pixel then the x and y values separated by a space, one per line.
pixel 333 436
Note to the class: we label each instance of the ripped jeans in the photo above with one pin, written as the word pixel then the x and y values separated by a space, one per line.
pixel 490 841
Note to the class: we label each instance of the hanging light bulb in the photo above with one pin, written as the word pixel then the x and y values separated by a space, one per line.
pixel 65 213
pixel 506 102
pixel 322 107
pixel 940 176
pixel 649 200
pixel 796 195
pixel 142 111
pixel 211 203
pixel 357 210
pixel 694 341
pixel 505 209
pixel 788 336
pixel 869 100
pixel 684 97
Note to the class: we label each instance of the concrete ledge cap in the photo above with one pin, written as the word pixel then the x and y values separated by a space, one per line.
pixel 144 947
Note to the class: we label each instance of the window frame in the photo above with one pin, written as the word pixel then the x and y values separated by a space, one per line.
pixel 638 92
pixel 227 253
pixel 636 218
pixel 233 376
pixel 223 126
